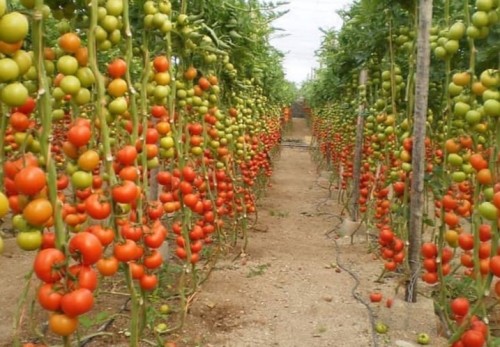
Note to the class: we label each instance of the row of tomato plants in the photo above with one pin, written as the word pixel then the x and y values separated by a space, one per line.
pixel 460 255
pixel 129 128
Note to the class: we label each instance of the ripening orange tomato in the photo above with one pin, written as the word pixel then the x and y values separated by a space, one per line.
pixel 70 42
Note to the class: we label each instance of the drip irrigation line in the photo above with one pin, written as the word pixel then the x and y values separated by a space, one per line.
pixel 357 282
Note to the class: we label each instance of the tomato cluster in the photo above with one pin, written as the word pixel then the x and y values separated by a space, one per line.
pixel 476 333
pixel 66 288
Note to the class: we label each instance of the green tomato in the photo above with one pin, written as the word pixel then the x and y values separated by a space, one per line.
pixel 14 27
pixel 153 163
pixel 83 97
pixel 70 85
pixel 114 7
pixel 9 70
pixel 381 328
pixel 23 60
pixel 81 179
pixel 492 108
pixel 86 76
pixel 14 94
pixel 161 328
pixel 455 159
pixel 167 142
pixel 423 339
pixel 118 106
pixel 19 222
pixel 164 309
pixel 488 211
pixel 29 240
pixel 458 176
pixel 488 193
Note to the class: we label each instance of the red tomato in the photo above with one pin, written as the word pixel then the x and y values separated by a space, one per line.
pixel 30 180
pixel 155 238
pixel 496 199
pixel 473 338
pixel 466 241
pixel 485 232
pixel 19 121
pixel 190 200
pixel 429 250
pixel 430 277
pixel 181 252
pixel 447 255
pixel 148 282
pixel 460 306
pixel 82 276
pixel 125 193
pixel 154 260
pixel 48 264
pixel 48 240
pixel 155 210
pixel 195 129
pixel 430 264
pixel 49 298
pixel 188 173
pixel 164 178
pixel 375 297
pixel 479 325
pixel 196 246
pixel 96 207
pixel 28 107
pixel 158 111
pixel 129 173
pixel 85 246
pixel 77 302
pixel 386 235
pixel 449 202
pixel 137 270
pixel 105 235
pixel 127 155
pixel 125 252
pixel 79 135
pixel 117 68
pixel 196 233
pixel 62 182
pixel 107 266
pixel 130 232
pixel 161 63
pixel 495 265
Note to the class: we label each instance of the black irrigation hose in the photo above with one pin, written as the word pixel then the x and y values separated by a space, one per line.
pixel 354 293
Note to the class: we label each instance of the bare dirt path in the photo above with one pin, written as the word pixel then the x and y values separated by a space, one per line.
pixel 288 290
pixel 286 293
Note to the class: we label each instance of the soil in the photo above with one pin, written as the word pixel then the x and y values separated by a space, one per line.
pixel 300 282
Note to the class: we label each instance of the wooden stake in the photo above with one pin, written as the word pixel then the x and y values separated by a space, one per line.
pixel 418 152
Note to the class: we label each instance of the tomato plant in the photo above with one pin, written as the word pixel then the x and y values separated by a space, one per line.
pixel 123 121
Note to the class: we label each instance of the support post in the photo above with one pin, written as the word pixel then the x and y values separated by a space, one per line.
pixel 418 152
